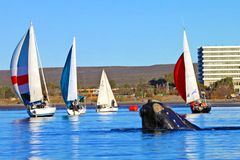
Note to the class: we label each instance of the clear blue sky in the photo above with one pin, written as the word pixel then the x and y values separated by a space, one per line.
pixel 117 32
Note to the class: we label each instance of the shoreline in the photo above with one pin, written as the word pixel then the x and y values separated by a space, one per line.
pixel 213 103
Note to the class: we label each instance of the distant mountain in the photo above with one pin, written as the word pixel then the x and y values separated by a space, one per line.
pixel 90 76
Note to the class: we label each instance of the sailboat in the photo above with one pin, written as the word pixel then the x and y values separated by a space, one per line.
pixel 27 77
pixel 106 101
pixel 186 83
pixel 69 84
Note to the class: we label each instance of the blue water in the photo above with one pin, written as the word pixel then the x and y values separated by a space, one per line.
pixel 116 136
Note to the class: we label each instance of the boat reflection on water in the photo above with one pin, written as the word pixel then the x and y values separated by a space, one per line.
pixel 75 138
pixel 35 129
pixel 106 113
pixel 75 122
pixel 106 117
pixel 32 127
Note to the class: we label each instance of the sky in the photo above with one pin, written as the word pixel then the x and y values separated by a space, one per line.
pixel 117 32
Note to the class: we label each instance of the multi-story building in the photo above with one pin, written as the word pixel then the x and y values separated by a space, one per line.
pixel 218 62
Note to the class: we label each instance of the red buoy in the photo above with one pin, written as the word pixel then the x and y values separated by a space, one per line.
pixel 133 108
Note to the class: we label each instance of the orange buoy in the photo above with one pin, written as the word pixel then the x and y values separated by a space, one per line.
pixel 133 108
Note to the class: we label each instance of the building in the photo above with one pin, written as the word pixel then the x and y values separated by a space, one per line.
pixel 91 94
pixel 218 62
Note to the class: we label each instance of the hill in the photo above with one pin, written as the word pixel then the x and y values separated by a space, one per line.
pixel 90 76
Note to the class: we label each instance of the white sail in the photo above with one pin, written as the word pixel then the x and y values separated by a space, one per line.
pixel 192 92
pixel 35 87
pixel 42 74
pixel 72 85
pixel 105 94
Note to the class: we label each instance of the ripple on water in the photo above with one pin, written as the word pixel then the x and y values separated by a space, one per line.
pixel 116 136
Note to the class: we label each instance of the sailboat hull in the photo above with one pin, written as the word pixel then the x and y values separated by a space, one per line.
pixel 106 109
pixel 47 111
pixel 71 112
pixel 201 109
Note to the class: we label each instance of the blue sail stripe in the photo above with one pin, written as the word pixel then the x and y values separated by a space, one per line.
pixel 23 62
pixel 65 78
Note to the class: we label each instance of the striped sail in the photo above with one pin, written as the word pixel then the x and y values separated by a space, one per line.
pixel 13 67
pixel 184 75
pixel 105 94
pixel 25 69
pixel 69 77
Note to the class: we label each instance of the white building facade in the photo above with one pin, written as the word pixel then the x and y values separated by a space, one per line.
pixel 218 62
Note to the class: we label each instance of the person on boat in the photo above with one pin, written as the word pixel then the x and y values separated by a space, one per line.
pixel 194 103
pixel 71 105
pixel 200 105
pixel 44 102
pixel 45 97
pixel 204 104
pixel 75 105
pixel 113 102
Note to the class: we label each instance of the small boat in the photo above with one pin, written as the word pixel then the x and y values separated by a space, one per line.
pixel 27 77
pixel 106 101
pixel 69 85
pixel 186 83
pixel 133 108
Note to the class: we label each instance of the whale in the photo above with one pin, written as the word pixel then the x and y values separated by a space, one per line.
pixel 158 116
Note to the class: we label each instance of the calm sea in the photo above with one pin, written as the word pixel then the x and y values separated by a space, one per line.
pixel 116 136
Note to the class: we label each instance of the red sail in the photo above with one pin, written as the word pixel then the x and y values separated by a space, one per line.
pixel 179 77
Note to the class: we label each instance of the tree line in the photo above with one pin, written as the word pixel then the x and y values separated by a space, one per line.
pixel 154 87
pixel 220 89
